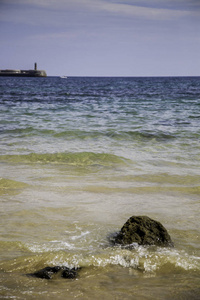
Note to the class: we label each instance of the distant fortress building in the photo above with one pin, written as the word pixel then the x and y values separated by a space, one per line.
pixel 24 73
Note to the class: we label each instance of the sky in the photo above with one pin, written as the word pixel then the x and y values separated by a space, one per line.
pixel 101 37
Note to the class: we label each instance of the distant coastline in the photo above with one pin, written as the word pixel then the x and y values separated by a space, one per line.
pixel 24 73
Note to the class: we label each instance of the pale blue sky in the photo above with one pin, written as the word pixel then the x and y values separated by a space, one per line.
pixel 101 37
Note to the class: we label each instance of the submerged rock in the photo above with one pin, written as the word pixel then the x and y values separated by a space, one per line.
pixel 143 231
pixel 48 272
pixel 69 273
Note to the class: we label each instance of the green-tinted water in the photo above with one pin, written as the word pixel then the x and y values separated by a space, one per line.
pixel 77 159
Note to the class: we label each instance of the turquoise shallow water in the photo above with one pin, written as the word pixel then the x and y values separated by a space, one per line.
pixel 78 157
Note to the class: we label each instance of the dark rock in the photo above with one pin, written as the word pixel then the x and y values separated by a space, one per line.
pixel 143 231
pixel 69 273
pixel 48 272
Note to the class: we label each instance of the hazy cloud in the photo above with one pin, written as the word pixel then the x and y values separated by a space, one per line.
pixel 118 37
pixel 156 10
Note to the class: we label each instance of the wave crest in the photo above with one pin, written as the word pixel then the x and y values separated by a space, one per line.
pixel 76 159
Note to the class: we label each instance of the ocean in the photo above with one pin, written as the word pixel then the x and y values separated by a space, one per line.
pixel 78 157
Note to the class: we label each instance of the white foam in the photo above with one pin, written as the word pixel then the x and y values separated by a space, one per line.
pixel 75 237
pixel 52 246
pixel 146 259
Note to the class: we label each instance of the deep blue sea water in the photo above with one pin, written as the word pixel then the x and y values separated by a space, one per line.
pixel 78 157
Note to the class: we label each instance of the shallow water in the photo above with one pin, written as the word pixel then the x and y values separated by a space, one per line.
pixel 78 157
